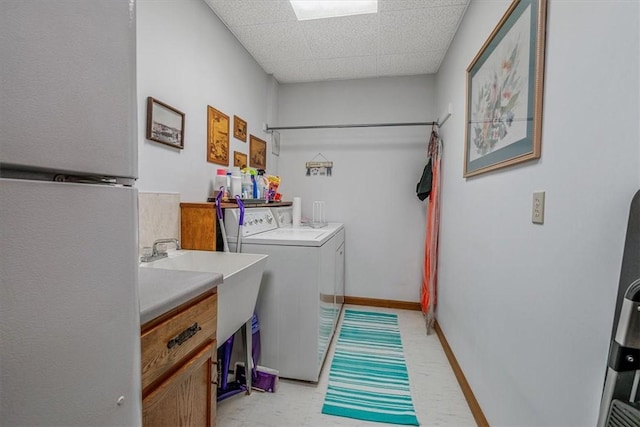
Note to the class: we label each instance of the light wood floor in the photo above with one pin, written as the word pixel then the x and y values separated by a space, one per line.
pixel 436 394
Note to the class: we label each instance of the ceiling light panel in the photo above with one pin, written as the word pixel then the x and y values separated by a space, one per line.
pixel 319 9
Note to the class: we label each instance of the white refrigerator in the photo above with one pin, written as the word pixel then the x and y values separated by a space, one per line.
pixel 69 308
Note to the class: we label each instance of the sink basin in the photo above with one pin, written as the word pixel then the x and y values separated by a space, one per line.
pixel 237 295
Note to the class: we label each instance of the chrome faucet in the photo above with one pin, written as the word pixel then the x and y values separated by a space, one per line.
pixel 155 253
pixel 160 241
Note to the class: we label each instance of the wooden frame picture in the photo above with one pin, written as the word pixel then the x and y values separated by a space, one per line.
pixel 165 124
pixel 239 129
pixel 217 137
pixel 504 91
pixel 257 152
pixel 240 159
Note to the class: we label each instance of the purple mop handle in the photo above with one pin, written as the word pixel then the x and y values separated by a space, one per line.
pixel 240 222
pixel 241 206
pixel 218 207
pixel 221 221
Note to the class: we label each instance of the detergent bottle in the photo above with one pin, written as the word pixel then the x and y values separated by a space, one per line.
pixel 247 186
pixel 261 185
pixel 220 183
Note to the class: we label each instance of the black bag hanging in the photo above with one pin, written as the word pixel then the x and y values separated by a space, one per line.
pixel 423 188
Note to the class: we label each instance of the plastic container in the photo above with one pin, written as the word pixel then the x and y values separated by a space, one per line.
pixel 247 186
pixel 319 218
pixel 262 193
pixel 236 185
pixel 220 181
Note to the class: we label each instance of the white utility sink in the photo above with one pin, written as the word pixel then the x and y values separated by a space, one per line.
pixel 237 295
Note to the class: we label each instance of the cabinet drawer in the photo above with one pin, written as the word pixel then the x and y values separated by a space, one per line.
pixel 167 343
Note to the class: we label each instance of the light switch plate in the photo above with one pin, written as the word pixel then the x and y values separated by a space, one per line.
pixel 537 208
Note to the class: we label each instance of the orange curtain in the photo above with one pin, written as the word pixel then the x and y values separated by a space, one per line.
pixel 430 270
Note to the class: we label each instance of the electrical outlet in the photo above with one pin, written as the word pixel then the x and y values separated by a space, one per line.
pixel 537 209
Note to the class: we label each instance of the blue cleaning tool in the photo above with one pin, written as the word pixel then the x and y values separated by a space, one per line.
pixel 227 389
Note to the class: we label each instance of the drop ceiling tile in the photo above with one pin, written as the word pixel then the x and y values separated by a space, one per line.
pixel 343 36
pixel 410 63
pixel 252 12
pixel 418 30
pixel 348 68
pixel 281 41
pixel 387 5
pixel 411 36
pixel 293 72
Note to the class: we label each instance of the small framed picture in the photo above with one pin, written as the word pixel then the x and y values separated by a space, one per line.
pixel 257 152
pixel 165 124
pixel 239 159
pixel 239 129
pixel 217 137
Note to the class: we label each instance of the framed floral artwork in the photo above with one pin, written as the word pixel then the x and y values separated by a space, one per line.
pixel 217 137
pixel 504 91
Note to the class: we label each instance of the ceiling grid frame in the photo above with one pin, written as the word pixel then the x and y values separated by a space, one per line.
pixel 412 37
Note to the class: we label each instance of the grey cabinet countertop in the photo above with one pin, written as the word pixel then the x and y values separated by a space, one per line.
pixel 163 290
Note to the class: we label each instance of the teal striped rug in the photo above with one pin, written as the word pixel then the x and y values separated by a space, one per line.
pixel 368 378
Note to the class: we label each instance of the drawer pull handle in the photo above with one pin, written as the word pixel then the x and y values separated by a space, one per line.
pixel 184 336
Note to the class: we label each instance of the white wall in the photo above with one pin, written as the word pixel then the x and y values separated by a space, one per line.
pixel 188 59
pixel 526 308
pixel 372 189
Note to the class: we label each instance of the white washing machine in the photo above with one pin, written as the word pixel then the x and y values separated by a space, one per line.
pixel 302 290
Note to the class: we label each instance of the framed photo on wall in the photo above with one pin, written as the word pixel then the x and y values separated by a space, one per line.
pixel 217 137
pixel 257 152
pixel 239 159
pixel 504 91
pixel 239 129
pixel 165 124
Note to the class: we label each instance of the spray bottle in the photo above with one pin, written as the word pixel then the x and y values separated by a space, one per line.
pixel 254 184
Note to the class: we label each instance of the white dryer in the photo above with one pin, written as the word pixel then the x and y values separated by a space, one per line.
pixel 302 290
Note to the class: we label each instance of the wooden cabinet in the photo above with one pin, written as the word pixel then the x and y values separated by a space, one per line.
pixel 187 397
pixel 179 367
pixel 198 226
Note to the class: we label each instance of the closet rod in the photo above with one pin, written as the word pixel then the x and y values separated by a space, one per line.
pixel 269 128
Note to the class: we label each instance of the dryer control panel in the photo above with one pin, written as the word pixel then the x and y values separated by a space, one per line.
pixel 256 220
pixel 283 216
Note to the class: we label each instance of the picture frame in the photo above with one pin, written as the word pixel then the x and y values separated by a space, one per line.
pixel 217 136
pixel 505 91
pixel 275 143
pixel 239 129
pixel 165 124
pixel 257 152
pixel 240 159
